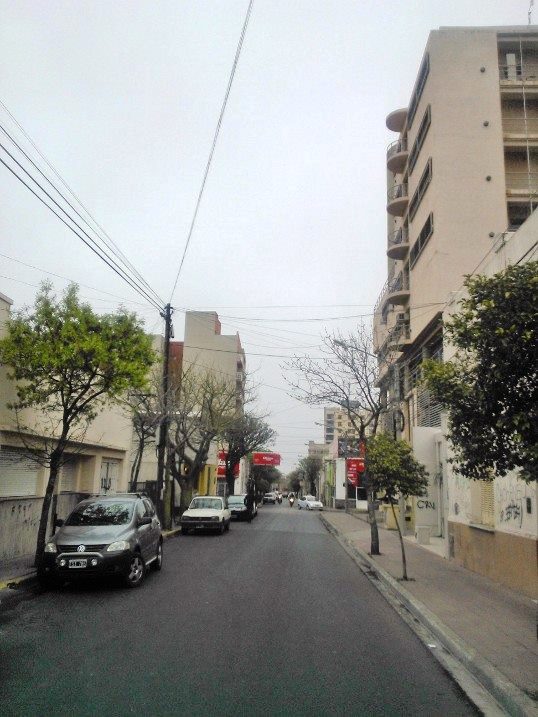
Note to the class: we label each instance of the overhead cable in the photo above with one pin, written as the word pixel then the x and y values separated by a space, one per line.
pixel 111 245
pixel 214 144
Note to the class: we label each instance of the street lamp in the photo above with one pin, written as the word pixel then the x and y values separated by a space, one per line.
pixel 346 347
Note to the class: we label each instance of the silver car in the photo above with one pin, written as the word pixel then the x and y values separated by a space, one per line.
pixel 105 535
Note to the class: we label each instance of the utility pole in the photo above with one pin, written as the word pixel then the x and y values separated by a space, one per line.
pixel 162 448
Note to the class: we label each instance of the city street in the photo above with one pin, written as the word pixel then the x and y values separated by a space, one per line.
pixel 272 618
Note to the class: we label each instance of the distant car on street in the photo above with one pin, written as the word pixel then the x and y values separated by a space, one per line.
pixel 269 498
pixel 310 502
pixel 210 512
pixel 106 535
pixel 238 507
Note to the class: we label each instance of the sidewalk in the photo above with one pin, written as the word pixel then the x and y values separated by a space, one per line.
pixel 492 627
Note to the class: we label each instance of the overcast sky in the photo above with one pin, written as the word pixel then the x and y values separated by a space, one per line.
pixel 123 99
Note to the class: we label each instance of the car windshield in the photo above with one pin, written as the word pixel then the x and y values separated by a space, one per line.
pixel 101 513
pixel 213 503
pixel 310 497
pixel 236 499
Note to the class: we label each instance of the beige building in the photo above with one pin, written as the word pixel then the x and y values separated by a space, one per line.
pixel 207 348
pixel 462 171
pixel 99 463
pixel 336 423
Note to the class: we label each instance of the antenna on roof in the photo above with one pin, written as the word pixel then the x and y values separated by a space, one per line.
pixel 531 5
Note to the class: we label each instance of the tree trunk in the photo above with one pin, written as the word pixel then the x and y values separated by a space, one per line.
pixel 370 500
pixel 45 510
pixel 135 469
pixel 404 561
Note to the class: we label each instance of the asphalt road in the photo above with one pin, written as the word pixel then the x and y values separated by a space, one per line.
pixel 272 618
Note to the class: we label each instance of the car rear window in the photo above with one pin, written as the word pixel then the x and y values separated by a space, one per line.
pixel 236 499
pixel 105 513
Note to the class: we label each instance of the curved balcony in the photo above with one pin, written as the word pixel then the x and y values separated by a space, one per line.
pixel 397 200
pixel 398 244
pixel 397 154
pixel 395 121
pixel 397 290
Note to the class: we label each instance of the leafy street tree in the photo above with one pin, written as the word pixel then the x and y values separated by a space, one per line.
pixel 246 434
pixel 264 478
pixel 294 481
pixel 311 467
pixel 68 362
pixel 393 469
pixel 202 407
pixel 346 377
pixel 490 388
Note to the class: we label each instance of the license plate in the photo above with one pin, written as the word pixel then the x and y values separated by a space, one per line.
pixel 78 563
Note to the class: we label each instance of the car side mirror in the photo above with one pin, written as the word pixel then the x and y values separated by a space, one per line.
pixel 58 523
pixel 146 520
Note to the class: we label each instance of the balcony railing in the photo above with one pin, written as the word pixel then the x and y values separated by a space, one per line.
pixel 398 191
pixel 400 283
pixel 381 297
pixel 400 145
pixel 400 236
pixel 522 182
pixel 520 125
pixel 519 73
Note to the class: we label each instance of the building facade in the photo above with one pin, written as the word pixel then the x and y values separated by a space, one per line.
pixel 462 172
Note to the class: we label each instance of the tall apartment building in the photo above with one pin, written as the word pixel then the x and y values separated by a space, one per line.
pixel 463 170
pixel 336 423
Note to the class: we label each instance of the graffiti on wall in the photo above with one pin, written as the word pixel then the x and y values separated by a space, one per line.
pixel 513 500
pixel 512 511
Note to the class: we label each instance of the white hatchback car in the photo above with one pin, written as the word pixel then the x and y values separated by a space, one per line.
pixel 310 502
pixel 207 511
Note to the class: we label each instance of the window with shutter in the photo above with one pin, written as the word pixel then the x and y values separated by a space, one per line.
pixel 487 507
pixel 18 473
pixel 68 477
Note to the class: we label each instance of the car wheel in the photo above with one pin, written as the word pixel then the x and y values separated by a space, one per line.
pixel 136 571
pixel 158 562
pixel 184 530
pixel 299 507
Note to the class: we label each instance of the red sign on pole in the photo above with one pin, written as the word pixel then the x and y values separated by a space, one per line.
pixel 221 466
pixel 265 459
pixel 354 467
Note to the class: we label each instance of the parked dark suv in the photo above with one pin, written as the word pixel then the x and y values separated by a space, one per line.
pixel 105 535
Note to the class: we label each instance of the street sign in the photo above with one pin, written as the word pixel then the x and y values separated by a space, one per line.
pixel 265 459
pixel 221 466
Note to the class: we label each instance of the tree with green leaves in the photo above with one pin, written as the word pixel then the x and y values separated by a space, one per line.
pixel 490 387
pixel 246 434
pixel 264 478
pixel 68 362
pixel 394 471
pixel 311 466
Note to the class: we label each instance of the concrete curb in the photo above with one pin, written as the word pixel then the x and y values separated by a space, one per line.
pixel 508 695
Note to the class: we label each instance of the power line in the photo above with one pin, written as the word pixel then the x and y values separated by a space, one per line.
pixel 216 135
pixel 66 278
pixel 111 245
pixel 90 244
